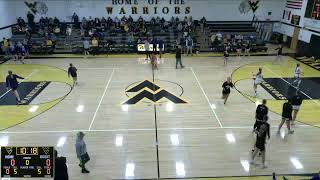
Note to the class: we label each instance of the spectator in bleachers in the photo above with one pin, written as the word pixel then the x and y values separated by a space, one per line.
pixel 86 46
pixel 117 22
pixel 103 22
pixel 21 52
pixel 12 50
pixel 21 22
pixel 5 46
pixel 97 22
pixel 69 32
pixel 30 17
pixel 203 23
pixel 95 46
pixel 173 21
pixel 180 27
pixel 153 21
pixel 56 21
pixel 49 47
pixel 219 37
pixel 189 45
pixel 75 20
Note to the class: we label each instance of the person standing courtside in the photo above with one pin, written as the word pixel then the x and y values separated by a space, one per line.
pixel 296 102
pixel 286 116
pixel 226 89
pixel 72 71
pixel 189 45
pixel 178 57
pixel 262 132
pixel 12 82
pixel 61 169
pixel 82 154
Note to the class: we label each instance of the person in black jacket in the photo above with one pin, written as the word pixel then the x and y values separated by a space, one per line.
pixel 296 102
pixel 13 84
pixel 261 111
pixel 226 89
pixel 286 116
pixel 73 72
pixel 61 169
pixel 178 57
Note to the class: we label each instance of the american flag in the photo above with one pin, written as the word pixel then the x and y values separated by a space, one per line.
pixel 294 4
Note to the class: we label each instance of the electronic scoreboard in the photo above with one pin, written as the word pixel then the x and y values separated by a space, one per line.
pixel 27 162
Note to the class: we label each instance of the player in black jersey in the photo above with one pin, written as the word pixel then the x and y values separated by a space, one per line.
pixel 261 111
pixel 286 116
pixel 262 131
pixel 226 89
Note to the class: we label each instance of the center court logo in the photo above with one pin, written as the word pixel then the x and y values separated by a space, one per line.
pixel 150 91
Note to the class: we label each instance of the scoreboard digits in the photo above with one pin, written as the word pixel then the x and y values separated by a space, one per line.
pixel 27 162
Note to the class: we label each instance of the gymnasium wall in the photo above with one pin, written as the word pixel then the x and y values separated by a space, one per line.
pixel 214 10
pixel 6 18
pixel 288 28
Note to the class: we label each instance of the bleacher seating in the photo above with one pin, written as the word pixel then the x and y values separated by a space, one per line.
pixel 123 42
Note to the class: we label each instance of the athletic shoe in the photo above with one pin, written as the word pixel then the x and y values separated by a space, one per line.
pixel 291 132
pixel 85 171
pixel 252 163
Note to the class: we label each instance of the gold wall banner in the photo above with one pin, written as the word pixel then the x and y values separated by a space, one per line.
pixel 155 7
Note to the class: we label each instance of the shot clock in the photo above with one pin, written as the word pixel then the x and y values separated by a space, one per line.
pixel 27 162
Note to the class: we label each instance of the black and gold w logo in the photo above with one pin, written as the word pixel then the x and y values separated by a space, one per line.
pixel 148 90
pixel 254 5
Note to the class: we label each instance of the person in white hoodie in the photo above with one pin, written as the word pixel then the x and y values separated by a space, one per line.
pixel 81 150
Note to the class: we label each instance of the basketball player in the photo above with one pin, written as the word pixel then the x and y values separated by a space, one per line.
pixel 258 78
pixel 297 76
pixel 261 111
pixel 262 132
pixel 178 57
pixel 296 102
pixel 13 84
pixel 286 116
pixel 73 72
pixel 154 62
pixel 279 54
pixel 225 56
pixel 226 89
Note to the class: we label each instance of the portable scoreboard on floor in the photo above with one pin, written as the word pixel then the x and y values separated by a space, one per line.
pixel 27 162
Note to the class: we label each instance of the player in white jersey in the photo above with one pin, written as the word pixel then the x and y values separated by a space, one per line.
pixel 297 76
pixel 257 78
